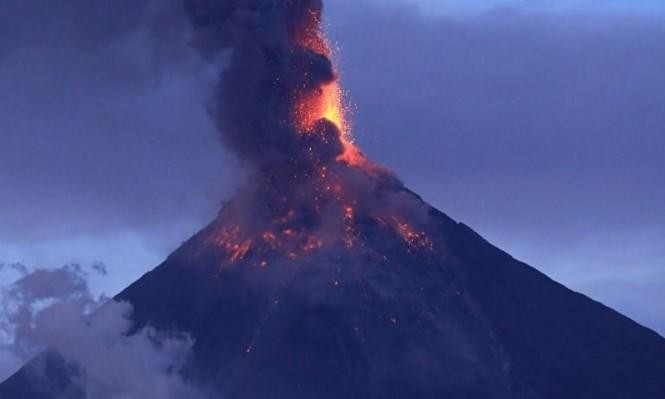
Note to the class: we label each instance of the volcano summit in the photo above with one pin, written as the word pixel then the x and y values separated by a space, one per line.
pixel 325 277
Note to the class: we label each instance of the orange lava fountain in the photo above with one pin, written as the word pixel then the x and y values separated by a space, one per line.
pixel 326 102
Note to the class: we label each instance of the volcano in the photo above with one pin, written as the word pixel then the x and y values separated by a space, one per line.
pixel 325 277
pixel 434 312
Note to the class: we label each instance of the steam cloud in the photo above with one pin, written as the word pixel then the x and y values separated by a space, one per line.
pixel 49 314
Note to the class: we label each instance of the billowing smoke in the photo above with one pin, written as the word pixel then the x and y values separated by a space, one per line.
pixel 277 61
pixel 50 316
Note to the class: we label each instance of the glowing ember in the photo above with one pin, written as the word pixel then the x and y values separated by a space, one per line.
pixel 269 236
pixel 289 232
pixel 238 251
pixel 348 213
pixel 416 239
pixel 349 230
pixel 231 241
pixel 313 243
pixel 412 237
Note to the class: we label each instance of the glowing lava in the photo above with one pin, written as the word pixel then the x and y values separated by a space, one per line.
pixel 414 238
pixel 326 102
pixel 332 107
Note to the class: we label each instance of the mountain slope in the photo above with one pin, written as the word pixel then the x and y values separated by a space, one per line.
pixel 396 319
pixel 446 316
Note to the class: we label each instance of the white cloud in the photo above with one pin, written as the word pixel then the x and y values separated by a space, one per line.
pixel 54 310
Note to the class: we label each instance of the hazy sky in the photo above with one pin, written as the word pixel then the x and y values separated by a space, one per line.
pixel 541 127
pixel 474 6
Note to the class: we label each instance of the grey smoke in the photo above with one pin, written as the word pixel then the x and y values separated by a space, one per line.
pixel 268 68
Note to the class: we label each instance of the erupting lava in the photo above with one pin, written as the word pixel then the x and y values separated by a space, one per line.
pixel 280 107
pixel 327 101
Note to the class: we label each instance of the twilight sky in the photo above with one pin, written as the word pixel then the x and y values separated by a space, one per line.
pixel 474 6
pixel 539 126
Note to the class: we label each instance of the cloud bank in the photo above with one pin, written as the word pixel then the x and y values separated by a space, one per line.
pixel 54 310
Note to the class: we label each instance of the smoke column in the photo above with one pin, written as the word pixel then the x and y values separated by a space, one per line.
pixel 278 103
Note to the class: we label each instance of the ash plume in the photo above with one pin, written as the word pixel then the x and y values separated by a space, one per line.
pixel 274 62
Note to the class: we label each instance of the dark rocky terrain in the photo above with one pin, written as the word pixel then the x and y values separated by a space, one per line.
pixel 442 315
